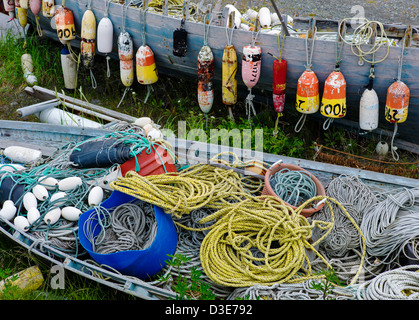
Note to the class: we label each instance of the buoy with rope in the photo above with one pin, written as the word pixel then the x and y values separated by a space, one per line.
pixel 229 68
pixel 35 7
pixel 279 82
pixel 251 68
pixel 88 41
pixel 180 36
pixel 105 36
pixel 307 100
pixel 126 55
pixel 333 103
pixel 205 66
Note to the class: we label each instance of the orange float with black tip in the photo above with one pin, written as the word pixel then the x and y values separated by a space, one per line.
pixel 397 102
pixel 88 38
pixel 64 20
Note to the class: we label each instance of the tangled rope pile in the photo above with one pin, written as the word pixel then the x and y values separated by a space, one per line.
pixel 126 227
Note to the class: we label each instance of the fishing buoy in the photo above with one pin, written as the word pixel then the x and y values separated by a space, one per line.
pixel 251 65
pixel 155 134
pixel 206 67
pixel 279 79
pixel 141 122
pixel 71 213
pixel 11 167
pixel 105 38
pixel 250 15
pixel 33 215
pixel 40 192
pixel 22 154
pixel 397 102
pixel 265 17
pixel 237 16
pixel 381 148
pixel 69 183
pixel 147 128
pixel 49 183
pixel 146 66
pixel 24 4
pixel 64 21
pixel 27 68
pixel 180 36
pixel 333 103
pixel 9 7
pixel 21 223
pixel 52 216
pixel 30 201
pixel 126 58
pixel 48 8
pixel 21 15
pixel 88 39
pixel 369 107
pixel 8 211
pixel 69 67
pixel 58 198
pixel 308 93
pixel 36 6
pixel 229 82
pixel 95 196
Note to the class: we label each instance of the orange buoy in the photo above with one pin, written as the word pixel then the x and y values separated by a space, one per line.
pixel 146 66
pixel 308 93
pixel 397 102
pixel 334 97
pixel 64 20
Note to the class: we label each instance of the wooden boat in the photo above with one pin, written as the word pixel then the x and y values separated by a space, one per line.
pixel 159 29
pixel 51 138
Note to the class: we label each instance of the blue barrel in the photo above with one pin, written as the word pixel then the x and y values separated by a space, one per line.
pixel 142 264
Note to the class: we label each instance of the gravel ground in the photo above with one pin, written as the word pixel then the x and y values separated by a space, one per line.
pixel 386 11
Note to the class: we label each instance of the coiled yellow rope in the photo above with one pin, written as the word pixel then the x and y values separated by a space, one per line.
pixel 282 235
pixel 242 224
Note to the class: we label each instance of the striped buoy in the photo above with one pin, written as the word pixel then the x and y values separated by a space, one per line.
pixel 205 75
pixel 279 80
pixel 397 102
pixel 333 103
pixel 126 58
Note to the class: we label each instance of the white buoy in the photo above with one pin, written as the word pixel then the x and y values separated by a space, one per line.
pixel 95 196
pixel 55 198
pixel 369 110
pixel 22 154
pixel 52 216
pixel 70 213
pixel 11 167
pixel 49 183
pixel 40 192
pixel 69 183
pixel 27 68
pixel 8 211
pixel 105 35
pixel 250 15
pixel 21 223
pixel 265 17
pixel 69 67
pixel 147 128
pixel 33 215
pixel 382 148
pixel 29 201
pixel 141 122
pixel 155 134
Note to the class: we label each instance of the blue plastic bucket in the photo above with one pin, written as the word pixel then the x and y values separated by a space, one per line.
pixel 138 263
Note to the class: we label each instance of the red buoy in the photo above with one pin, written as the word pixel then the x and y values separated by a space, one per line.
pixel 279 84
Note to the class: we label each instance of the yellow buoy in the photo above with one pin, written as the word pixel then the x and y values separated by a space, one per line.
pixel 88 38
pixel 146 66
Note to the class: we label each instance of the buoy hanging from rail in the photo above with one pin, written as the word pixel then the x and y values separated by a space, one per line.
pixel 398 95
pixel 251 67
pixel 125 55
pixel 307 100
pixel 180 36
pixel 229 69
pixel 333 103
pixel 279 82
pixel 35 6
pixel 369 105
pixel 88 41
pixel 105 36
pixel 205 66
pixel 48 8
pixel 64 21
